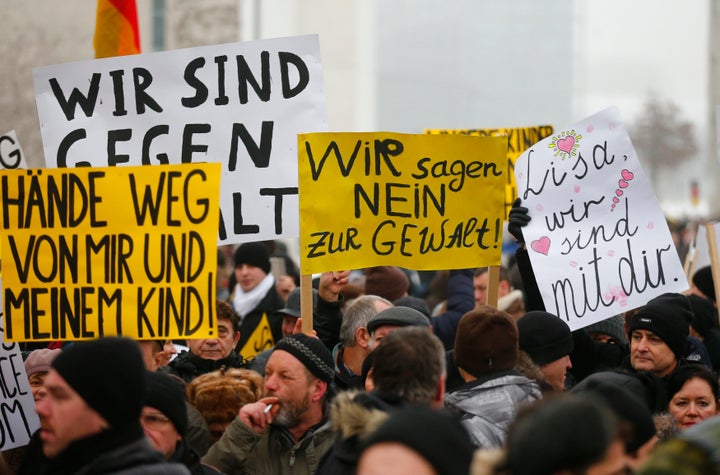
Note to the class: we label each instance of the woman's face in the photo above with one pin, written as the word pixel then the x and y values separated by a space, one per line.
pixel 693 403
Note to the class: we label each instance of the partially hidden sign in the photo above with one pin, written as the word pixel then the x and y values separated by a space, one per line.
pixel 239 104
pixel 519 139
pixel 416 201
pixel 598 240
pixel 93 252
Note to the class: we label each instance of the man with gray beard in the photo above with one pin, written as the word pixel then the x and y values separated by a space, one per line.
pixel 287 431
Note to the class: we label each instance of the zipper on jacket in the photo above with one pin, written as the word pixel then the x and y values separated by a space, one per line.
pixel 292 458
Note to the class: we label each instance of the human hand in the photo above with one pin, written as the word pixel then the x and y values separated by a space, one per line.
pixel 517 219
pixel 257 416
pixel 331 283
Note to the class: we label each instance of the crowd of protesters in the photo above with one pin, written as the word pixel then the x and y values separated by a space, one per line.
pixel 405 372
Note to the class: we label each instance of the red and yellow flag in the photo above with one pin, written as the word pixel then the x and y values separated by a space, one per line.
pixel 116 28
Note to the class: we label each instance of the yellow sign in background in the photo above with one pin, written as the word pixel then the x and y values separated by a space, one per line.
pixel 417 201
pixel 91 252
pixel 519 140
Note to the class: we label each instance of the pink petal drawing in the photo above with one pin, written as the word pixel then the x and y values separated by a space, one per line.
pixel 577 188
pixel 627 174
pixel 542 245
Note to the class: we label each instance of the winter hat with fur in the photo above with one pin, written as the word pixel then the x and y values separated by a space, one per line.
pixel 219 395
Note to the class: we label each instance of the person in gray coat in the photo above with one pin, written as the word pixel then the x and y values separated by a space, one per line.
pixel 486 351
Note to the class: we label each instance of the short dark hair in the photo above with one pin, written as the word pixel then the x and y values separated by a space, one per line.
pixel 409 363
pixel 226 312
pixel 685 373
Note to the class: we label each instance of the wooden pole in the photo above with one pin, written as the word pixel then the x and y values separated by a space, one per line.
pixel 493 284
pixel 714 255
pixel 306 303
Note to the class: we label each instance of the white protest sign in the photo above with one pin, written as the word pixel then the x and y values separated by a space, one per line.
pixel 11 155
pixel 240 104
pixel 18 419
pixel 702 250
pixel 598 241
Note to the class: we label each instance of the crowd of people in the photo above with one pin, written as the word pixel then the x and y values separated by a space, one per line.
pixel 405 373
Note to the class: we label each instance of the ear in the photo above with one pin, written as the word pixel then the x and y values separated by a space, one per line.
pixel 504 286
pixel 362 337
pixel 236 338
pixel 319 389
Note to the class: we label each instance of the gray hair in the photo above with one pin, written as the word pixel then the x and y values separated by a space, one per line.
pixel 356 316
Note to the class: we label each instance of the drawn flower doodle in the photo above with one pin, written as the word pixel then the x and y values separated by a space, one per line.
pixel 565 144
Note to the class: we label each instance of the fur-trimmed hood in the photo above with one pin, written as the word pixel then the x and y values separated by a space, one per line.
pixel 357 413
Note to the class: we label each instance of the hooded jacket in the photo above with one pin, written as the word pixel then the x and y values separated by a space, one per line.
pixel 486 406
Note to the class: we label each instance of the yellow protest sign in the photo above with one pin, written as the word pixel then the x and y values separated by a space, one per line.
pixel 519 140
pixel 417 201
pixel 91 252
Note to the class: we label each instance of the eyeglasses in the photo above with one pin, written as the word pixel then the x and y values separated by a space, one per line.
pixel 154 421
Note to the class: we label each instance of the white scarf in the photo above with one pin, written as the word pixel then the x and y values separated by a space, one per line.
pixel 245 302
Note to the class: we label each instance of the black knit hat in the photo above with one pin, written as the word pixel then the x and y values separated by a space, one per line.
pixel 486 341
pixel 668 316
pixel 109 375
pixel 626 405
pixel 254 254
pixel 167 395
pixel 703 280
pixel 311 352
pixel 544 337
pixel 434 434
pixel 705 317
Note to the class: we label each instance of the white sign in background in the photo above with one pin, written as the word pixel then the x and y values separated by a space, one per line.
pixel 11 154
pixel 18 419
pixel 598 241
pixel 241 104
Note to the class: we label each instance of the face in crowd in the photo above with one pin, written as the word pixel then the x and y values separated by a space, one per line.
pixel 248 276
pixel 160 431
pixel 555 372
pixel 289 380
pixel 216 348
pixel 649 353
pixel 693 392
pixel 64 416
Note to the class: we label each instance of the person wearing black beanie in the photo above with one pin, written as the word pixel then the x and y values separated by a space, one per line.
pixel 90 418
pixel 164 419
pixel 255 299
pixel 658 333
pixel 288 430
pixel 548 342
pixel 417 437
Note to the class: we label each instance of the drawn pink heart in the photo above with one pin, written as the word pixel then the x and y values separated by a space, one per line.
pixel 577 188
pixel 566 144
pixel 627 174
pixel 618 192
pixel 542 245
pixel 616 200
pixel 622 184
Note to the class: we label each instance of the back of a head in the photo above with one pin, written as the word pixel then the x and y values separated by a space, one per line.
pixel 219 395
pixel 409 363
pixel 486 341
pixel 357 314
pixel 703 280
pixel 109 374
pixel 433 434
pixel 388 282
pixel 564 433
pixel 544 337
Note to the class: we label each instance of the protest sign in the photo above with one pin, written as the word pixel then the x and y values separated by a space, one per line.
pixel 93 252
pixel 598 241
pixel 18 419
pixel 418 201
pixel 239 104
pixel 11 155
pixel 519 140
